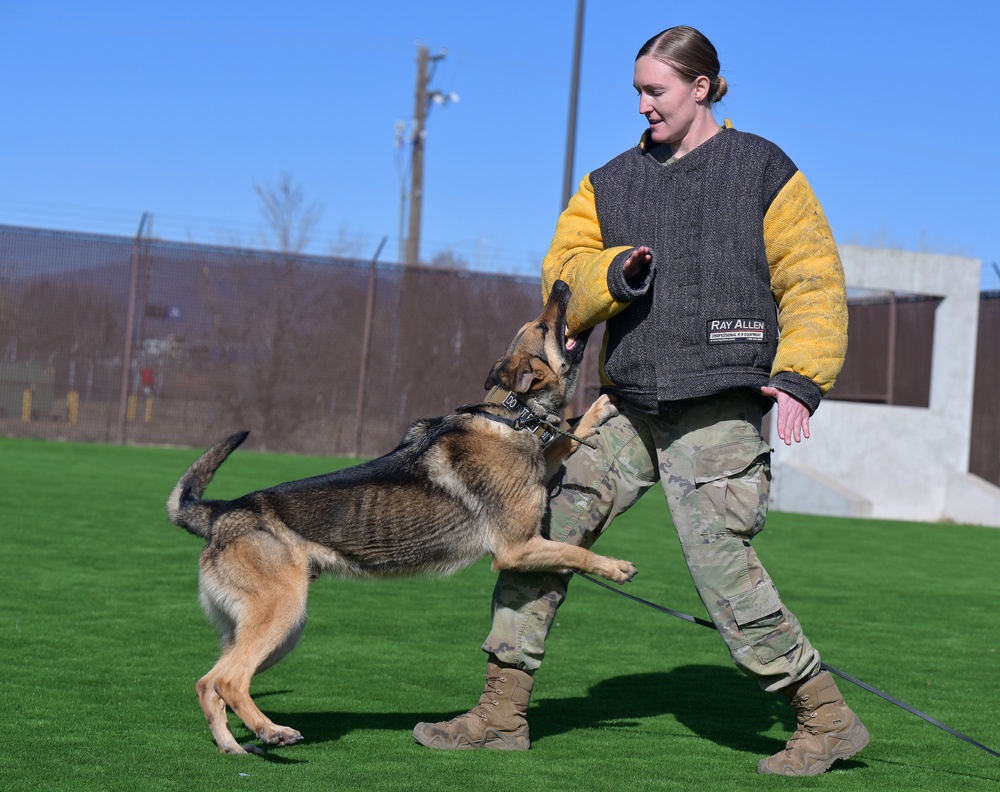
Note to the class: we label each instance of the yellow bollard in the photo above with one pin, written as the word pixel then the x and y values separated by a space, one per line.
pixel 131 407
pixel 73 406
pixel 149 409
pixel 26 406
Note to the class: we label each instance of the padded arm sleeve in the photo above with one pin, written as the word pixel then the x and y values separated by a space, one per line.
pixel 807 281
pixel 577 256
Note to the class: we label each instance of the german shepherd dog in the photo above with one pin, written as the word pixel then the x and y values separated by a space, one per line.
pixel 455 489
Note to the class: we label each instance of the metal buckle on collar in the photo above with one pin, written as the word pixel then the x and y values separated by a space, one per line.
pixel 526 419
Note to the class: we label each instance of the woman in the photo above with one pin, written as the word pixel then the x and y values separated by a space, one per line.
pixel 708 256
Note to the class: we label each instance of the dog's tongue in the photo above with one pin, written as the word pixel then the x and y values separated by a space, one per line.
pixel 570 343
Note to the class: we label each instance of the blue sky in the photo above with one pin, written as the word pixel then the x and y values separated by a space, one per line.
pixel 113 109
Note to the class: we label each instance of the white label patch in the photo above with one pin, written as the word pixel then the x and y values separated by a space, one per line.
pixel 736 331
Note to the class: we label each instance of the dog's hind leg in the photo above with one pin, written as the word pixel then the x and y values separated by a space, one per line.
pixel 270 623
pixel 214 707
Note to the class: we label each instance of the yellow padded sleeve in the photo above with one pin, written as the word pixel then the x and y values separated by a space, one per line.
pixel 807 281
pixel 577 256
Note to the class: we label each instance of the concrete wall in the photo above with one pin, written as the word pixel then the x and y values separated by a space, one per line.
pixel 884 461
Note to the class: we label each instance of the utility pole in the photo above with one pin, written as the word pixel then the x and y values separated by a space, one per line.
pixel 579 405
pixel 424 97
pixel 574 92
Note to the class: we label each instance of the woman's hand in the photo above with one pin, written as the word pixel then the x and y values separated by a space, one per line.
pixel 793 416
pixel 636 263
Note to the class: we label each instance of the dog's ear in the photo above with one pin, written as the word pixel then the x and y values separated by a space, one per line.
pixel 524 380
pixel 514 374
pixel 493 378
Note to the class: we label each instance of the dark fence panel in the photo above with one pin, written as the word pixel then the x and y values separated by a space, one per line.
pixel 984 454
pixel 312 354
pixel 889 350
pixel 63 303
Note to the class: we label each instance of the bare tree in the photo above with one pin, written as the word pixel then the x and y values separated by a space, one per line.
pixel 449 259
pixel 348 244
pixel 274 326
pixel 288 218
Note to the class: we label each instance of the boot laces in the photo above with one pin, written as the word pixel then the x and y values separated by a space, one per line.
pixel 805 723
pixel 804 715
pixel 492 686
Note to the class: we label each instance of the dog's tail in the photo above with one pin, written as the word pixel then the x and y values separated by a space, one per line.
pixel 185 508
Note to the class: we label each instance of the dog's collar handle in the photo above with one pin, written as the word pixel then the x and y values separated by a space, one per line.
pixel 526 419
pixel 539 427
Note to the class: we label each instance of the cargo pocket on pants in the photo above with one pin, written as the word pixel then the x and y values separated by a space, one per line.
pixel 760 617
pixel 735 477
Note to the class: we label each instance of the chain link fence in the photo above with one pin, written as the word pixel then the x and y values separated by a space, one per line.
pixel 118 340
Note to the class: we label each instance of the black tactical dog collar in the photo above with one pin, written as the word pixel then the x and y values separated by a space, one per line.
pixel 526 419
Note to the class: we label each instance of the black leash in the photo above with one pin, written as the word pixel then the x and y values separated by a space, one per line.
pixel 824 666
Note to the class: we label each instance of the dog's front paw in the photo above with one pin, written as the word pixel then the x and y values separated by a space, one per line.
pixel 618 571
pixel 600 412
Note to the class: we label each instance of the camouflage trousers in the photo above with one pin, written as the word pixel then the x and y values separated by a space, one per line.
pixel 715 469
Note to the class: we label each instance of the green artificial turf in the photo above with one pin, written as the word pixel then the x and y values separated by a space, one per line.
pixel 103 640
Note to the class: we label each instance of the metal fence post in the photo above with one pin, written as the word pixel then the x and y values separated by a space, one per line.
pixel 366 338
pixel 129 332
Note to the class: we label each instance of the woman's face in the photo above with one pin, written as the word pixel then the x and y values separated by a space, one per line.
pixel 669 102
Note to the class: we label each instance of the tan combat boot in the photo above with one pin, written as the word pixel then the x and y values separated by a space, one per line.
pixel 497 721
pixel 827 731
